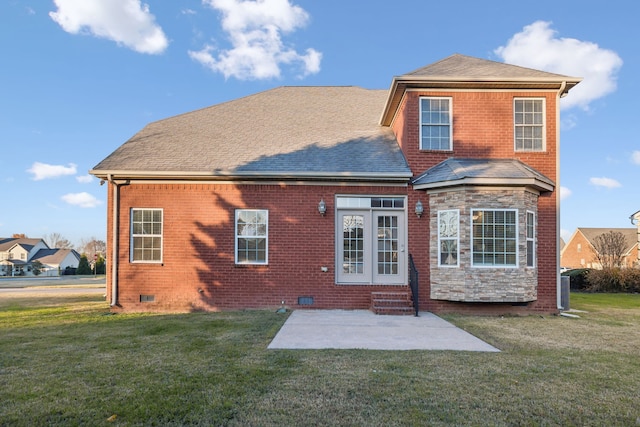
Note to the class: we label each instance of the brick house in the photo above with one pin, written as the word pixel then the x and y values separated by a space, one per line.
pixel 580 252
pixel 319 196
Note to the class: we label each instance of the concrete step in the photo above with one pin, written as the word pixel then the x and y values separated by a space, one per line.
pixel 392 303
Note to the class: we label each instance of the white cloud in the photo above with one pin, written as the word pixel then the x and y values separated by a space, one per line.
pixel 42 171
pixel 84 179
pixel 635 157
pixel 537 46
pixel 127 22
pixel 564 193
pixel 605 182
pixel 83 200
pixel 255 29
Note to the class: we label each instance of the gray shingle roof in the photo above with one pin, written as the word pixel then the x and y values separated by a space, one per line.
pixel 54 256
pixel 7 243
pixel 467 67
pixel 455 171
pixel 287 131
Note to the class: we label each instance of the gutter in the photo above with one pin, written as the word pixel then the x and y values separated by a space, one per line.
pixel 562 92
pixel 114 240
pixel 231 175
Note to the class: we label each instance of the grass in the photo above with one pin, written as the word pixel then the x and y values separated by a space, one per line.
pixel 68 362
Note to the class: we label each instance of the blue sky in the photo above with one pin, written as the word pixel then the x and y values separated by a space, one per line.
pixel 80 77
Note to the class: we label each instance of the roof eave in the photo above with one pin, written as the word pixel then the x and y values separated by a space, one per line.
pixel 235 175
pixel 400 84
pixel 536 184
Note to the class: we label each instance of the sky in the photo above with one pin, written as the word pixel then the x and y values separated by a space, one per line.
pixel 80 77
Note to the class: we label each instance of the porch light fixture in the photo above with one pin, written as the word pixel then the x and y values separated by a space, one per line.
pixel 419 208
pixel 322 207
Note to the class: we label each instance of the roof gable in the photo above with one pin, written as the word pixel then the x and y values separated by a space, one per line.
pixel 630 235
pixel 469 73
pixel 461 67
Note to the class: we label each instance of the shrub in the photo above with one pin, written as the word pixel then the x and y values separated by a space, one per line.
pixel 631 279
pixel 577 278
pixel 613 280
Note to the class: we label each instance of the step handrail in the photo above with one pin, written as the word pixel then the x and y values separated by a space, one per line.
pixel 413 284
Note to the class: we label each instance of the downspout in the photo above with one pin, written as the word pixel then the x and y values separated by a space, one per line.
pixel 114 241
pixel 561 94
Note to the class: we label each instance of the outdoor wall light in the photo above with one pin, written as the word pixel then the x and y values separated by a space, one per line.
pixel 419 208
pixel 322 207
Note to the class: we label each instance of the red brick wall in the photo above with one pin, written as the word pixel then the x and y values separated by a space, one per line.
pixel 483 128
pixel 198 269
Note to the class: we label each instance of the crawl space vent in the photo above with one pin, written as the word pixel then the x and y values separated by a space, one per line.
pixel 305 300
pixel 147 298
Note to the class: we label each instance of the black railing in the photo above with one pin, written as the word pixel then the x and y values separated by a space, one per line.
pixel 413 283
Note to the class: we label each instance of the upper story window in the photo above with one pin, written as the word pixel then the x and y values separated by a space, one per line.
pixel 146 235
pixel 528 118
pixel 435 123
pixel 252 236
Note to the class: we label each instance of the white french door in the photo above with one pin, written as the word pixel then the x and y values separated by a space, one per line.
pixel 371 247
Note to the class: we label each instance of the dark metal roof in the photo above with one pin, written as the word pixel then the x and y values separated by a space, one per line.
pixel 497 172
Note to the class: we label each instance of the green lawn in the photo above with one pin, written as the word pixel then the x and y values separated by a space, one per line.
pixel 69 362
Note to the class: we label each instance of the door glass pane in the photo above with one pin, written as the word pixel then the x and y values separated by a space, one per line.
pixel 387 244
pixel 353 244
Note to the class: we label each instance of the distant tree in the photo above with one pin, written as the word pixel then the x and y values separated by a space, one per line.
pixel 101 265
pixel 83 265
pixel 609 249
pixel 19 236
pixel 92 247
pixel 56 240
pixel 36 267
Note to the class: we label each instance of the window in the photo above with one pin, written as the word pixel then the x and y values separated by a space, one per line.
pixel 435 123
pixel 531 247
pixel 494 238
pixel 529 124
pixel 251 236
pixel 146 235
pixel 448 238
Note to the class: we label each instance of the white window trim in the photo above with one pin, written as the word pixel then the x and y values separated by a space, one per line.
pixel 237 238
pixel 132 235
pixel 516 265
pixel 420 124
pixel 531 239
pixel 457 239
pixel 544 125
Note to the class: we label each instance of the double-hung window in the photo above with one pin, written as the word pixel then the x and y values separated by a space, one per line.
pixel 146 235
pixel 448 238
pixel 494 237
pixel 252 236
pixel 531 246
pixel 529 124
pixel 435 123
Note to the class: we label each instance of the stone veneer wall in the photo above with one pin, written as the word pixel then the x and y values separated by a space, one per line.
pixel 482 284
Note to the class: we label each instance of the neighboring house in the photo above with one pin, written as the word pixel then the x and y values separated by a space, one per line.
pixel 579 252
pixel 317 197
pixel 17 256
pixel 56 261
